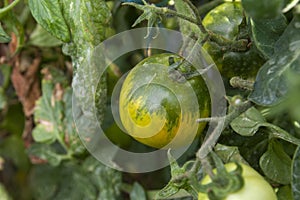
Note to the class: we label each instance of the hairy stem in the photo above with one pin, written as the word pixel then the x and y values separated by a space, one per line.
pixel 211 140
pixel 7 8
pixel 238 82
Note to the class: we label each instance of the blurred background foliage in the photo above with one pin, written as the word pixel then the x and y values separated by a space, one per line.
pixel 41 155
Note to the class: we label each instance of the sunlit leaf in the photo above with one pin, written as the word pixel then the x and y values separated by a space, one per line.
pixel 49 15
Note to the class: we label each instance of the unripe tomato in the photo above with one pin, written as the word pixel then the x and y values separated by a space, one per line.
pixel 155 108
pixel 225 20
pixel 255 186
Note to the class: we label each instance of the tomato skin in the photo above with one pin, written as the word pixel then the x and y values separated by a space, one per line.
pixel 225 20
pixel 255 186
pixel 152 112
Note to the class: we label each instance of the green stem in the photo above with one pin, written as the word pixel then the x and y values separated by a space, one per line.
pixel 224 122
pixel 6 9
pixel 207 167
pixel 62 143
pixel 226 44
pixel 237 112
pixel 238 82
pixel 165 11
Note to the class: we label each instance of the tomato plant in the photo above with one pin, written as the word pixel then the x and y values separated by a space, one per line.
pixel 62 125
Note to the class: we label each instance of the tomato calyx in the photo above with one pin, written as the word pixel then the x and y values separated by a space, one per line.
pixel 224 182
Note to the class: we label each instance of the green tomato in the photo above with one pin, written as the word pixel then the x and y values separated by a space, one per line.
pixel 225 20
pixel 155 108
pixel 255 186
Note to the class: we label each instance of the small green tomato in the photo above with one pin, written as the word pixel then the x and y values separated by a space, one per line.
pixel 255 186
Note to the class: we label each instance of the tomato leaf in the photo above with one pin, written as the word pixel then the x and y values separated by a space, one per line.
pixel 106 179
pixel 49 15
pixel 46 152
pixel 263 8
pixel 186 28
pixel 67 181
pixel 95 18
pixel 12 148
pixel 86 35
pixel 89 23
pixel 137 192
pixel 265 33
pixel 71 180
pixel 4 38
pixel 43 181
pixel 41 38
pixel 13 25
pixel 271 84
pixel 248 123
pixel 54 120
pixel 296 174
pixel 229 153
pixel 5 72
pixel 48 116
pixel 172 187
pixel 275 163
pixel 277 132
